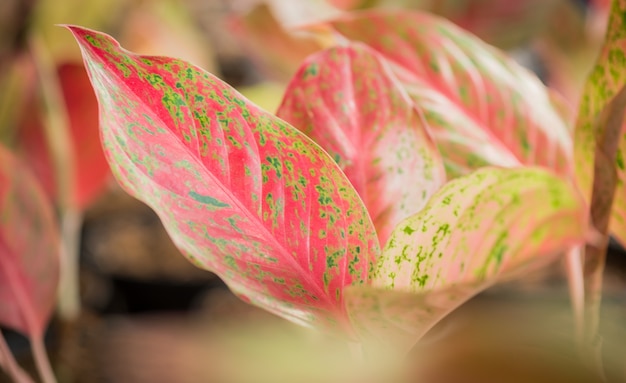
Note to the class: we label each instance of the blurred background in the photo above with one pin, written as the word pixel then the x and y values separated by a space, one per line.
pixel 150 316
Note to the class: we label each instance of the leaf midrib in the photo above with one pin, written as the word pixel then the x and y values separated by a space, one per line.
pixel 273 240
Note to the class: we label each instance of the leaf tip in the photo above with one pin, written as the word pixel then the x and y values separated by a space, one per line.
pixel 75 29
pixel 89 38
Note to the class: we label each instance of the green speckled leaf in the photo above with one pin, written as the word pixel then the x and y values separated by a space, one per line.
pixel 241 192
pixel 607 78
pixel 476 230
pixel 483 108
pixel 348 101
pixel 29 250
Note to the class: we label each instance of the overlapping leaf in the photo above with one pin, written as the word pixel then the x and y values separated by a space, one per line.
pixel 348 101
pixel 484 108
pixel 504 23
pixel 29 250
pixel 241 192
pixel 476 230
pixel 607 78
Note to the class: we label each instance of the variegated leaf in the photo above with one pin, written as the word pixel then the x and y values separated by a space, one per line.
pixel 475 231
pixel 29 250
pixel 241 192
pixel 484 108
pixel 607 78
pixel 348 101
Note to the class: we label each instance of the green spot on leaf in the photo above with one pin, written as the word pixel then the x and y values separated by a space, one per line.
pixel 207 199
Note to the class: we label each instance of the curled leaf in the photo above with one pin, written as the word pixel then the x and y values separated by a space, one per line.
pixel 241 192
pixel 483 107
pixel 29 250
pixel 604 83
pixel 475 231
pixel 349 102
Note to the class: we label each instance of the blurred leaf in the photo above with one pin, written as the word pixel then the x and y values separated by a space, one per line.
pixel 484 108
pixel 29 250
pixel 165 27
pixel 279 52
pixel 348 101
pixel 345 4
pixel 605 81
pixel 567 69
pixel 241 192
pixel 92 170
pixel 479 229
pixel 504 23
pixel 17 84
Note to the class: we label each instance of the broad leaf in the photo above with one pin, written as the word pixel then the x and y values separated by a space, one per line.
pixel 605 81
pixel 484 108
pixel 91 169
pixel 475 231
pixel 241 192
pixel 348 101
pixel 29 250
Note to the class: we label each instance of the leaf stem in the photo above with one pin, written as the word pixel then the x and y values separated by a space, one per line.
pixel 69 284
pixel 10 365
pixel 576 284
pixel 605 181
pixel 42 361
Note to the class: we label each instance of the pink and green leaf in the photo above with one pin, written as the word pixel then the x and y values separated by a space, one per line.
pixel 476 230
pixel 607 78
pixel 483 108
pixel 29 250
pixel 241 192
pixel 348 101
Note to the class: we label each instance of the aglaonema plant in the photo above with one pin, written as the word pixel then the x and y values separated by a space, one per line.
pixel 482 108
pixel 241 192
pixel 58 138
pixel 29 263
pixel 248 196
pixel 599 148
pixel 370 126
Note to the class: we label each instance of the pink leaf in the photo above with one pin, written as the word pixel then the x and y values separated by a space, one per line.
pixel 599 165
pixel 241 192
pixel 345 4
pixel 484 109
pixel 29 250
pixel 479 229
pixel 91 171
pixel 349 102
